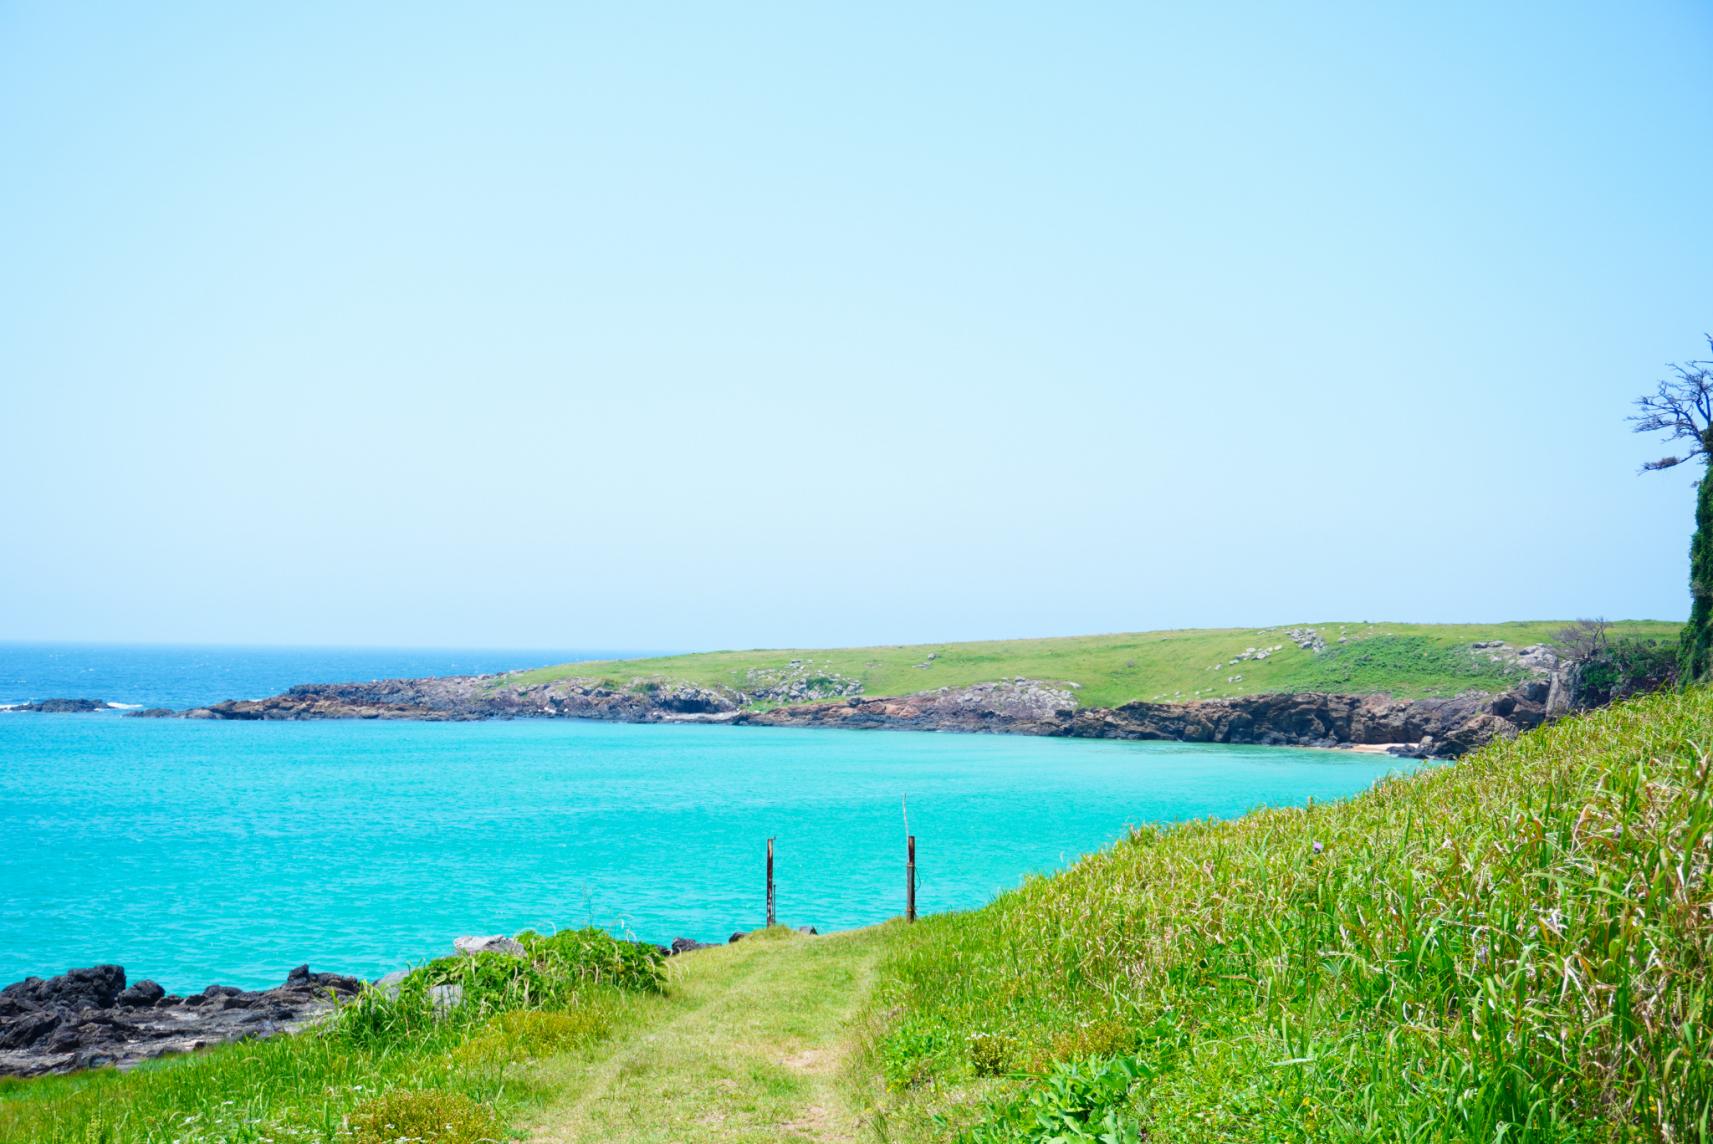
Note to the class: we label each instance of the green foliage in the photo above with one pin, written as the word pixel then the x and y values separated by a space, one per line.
pixel 1108 670
pixel 1623 668
pixel 554 973
pixel 1080 1100
pixel 1513 947
pixel 1695 647
pixel 429 1117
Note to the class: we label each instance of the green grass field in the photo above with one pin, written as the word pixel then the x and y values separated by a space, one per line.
pixel 1407 660
pixel 1514 947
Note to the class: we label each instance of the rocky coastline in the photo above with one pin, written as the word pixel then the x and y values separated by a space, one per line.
pixel 87 1018
pixel 1437 727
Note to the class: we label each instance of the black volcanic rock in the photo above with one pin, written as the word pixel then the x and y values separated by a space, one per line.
pixel 63 706
pixel 88 1017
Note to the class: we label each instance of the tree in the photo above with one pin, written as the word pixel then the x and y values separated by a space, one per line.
pixel 1583 640
pixel 1602 669
pixel 1682 408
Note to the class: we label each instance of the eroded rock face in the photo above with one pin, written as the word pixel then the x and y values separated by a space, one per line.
pixel 89 1017
pixel 1441 727
pixel 465 697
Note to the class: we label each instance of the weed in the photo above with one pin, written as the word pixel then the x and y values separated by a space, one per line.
pixel 427 1117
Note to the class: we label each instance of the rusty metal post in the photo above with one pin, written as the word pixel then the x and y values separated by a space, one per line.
pixel 770 919
pixel 910 879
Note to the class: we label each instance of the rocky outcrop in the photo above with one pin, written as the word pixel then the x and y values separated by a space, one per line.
pixel 1442 727
pixel 62 706
pixel 1021 706
pixel 465 697
pixel 90 1017
pixel 810 698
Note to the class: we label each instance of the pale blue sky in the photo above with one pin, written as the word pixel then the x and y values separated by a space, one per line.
pixel 705 326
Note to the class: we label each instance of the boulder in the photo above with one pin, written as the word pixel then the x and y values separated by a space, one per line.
pixel 141 995
pixel 688 945
pixel 493 943
pixel 445 998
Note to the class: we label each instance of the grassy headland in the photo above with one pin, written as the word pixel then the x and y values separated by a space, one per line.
pixel 1410 661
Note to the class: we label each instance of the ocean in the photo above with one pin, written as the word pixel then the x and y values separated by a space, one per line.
pixel 194 852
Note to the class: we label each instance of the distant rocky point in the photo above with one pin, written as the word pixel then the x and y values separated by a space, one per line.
pixel 63 706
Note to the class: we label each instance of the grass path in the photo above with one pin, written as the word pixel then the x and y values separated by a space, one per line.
pixel 751 1045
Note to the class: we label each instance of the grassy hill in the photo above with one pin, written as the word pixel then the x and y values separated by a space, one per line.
pixel 1407 660
pixel 1514 947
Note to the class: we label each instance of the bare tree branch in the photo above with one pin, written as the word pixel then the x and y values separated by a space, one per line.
pixel 1682 409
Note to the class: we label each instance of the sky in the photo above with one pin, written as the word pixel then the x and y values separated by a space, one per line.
pixel 705 326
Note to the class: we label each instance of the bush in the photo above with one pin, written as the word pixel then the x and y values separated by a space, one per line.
pixel 423 1117
pixel 553 974
pixel 1624 668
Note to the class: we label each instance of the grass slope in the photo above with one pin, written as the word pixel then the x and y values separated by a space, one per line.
pixel 1515 947
pixel 1407 660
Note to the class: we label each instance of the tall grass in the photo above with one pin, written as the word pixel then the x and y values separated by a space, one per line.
pixel 383 1067
pixel 1514 948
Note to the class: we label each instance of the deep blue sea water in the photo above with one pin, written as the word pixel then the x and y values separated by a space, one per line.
pixel 193 852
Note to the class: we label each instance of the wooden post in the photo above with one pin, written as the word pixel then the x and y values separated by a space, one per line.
pixel 770 881
pixel 910 879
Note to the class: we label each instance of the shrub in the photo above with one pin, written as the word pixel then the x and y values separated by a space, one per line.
pixel 1624 668
pixel 991 1053
pixel 552 974
pixel 423 1117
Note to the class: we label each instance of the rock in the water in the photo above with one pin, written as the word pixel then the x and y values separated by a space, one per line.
pixel 494 943
pixel 151 713
pixel 63 706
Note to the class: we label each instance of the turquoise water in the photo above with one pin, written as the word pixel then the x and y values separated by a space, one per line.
pixel 193 852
